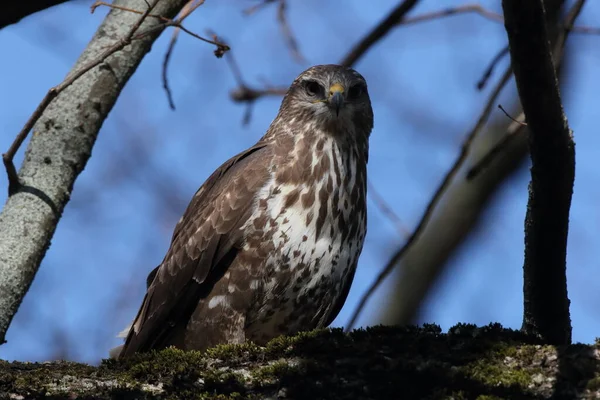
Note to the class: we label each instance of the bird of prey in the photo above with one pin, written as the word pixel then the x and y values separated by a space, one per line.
pixel 269 243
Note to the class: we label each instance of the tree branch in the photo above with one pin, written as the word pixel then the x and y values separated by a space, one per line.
pixel 546 304
pixel 378 363
pixel 61 145
pixel 393 18
pixel 12 12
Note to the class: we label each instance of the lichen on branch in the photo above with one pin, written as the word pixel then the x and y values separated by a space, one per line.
pixel 376 363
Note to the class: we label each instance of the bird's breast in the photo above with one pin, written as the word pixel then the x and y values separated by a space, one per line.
pixel 308 234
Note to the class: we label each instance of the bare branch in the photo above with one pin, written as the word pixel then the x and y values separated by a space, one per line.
pixel 394 18
pixel 483 12
pixel 387 210
pixel 287 33
pixel 497 149
pixel 62 143
pixel 513 133
pixel 467 8
pixel 7 158
pixel 546 303
pixel 490 69
pixel 284 25
pixel 433 203
pixel 189 8
pixel 247 94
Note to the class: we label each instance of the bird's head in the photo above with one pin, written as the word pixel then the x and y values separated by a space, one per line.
pixel 332 97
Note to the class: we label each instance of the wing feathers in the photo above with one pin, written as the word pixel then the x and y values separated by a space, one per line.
pixel 204 239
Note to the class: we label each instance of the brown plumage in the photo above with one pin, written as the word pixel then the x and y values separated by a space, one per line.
pixel 270 242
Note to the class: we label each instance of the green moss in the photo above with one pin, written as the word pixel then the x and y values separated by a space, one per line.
pixel 491 371
pixel 242 352
pixel 378 362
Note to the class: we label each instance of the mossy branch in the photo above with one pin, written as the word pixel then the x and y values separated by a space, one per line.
pixel 377 363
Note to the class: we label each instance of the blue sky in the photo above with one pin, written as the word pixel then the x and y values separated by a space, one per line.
pixel 149 160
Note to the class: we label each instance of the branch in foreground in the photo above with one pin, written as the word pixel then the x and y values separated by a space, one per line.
pixel 7 158
pixel 60 147
pixel 546 303
pixel 12 12
pixel 379 363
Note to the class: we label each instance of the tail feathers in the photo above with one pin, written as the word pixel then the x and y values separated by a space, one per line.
pixel 116 351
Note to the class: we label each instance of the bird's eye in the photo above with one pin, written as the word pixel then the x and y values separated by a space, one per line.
pixel 355 91
pixel 313 88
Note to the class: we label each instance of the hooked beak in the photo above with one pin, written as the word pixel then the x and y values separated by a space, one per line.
pixel 336 97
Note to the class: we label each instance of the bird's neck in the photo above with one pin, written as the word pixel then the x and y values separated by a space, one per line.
pixel 312 154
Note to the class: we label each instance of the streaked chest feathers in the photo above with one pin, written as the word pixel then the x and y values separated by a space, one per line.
pixel 315 222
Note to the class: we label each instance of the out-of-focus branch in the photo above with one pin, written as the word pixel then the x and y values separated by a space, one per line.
pixel 546 303
pixel 189 8
pixel 490 69
pixel 451 213
pixel 510 135
pixel 427 215
pixel 483 12
pixel 380 30
pixel 62 143
pixel 247 94
pixel 387 210
pixel 12 12
pixel 289 37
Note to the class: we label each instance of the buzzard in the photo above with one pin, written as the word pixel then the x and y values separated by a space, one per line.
pixel 269 244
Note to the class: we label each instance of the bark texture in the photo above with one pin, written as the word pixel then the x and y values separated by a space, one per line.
pixel 546 304
pixel 379 363
pixel 60 147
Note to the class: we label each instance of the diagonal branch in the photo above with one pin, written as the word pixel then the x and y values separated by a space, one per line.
pixel 380 30
pixel 434 202
pixel 7 158
pixel 61 145
pixel 420 266
pixel 546 303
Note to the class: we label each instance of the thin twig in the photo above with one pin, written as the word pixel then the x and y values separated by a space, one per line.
pixel 251 10
pixel 483 12
pixel 287 33
pixel 221 47
pixel 188 9
pixel 510 116
pixel 284 25
pixel 380 202
pixel 389 267
pixel 512 133
pixel 467 8
pixel 569 20
pixel 7 158
pixel 165 66
pixel 393 18
pixel 490 69
pixel 244 93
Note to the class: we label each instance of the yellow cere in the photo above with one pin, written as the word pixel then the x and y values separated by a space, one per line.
pixel 336 87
